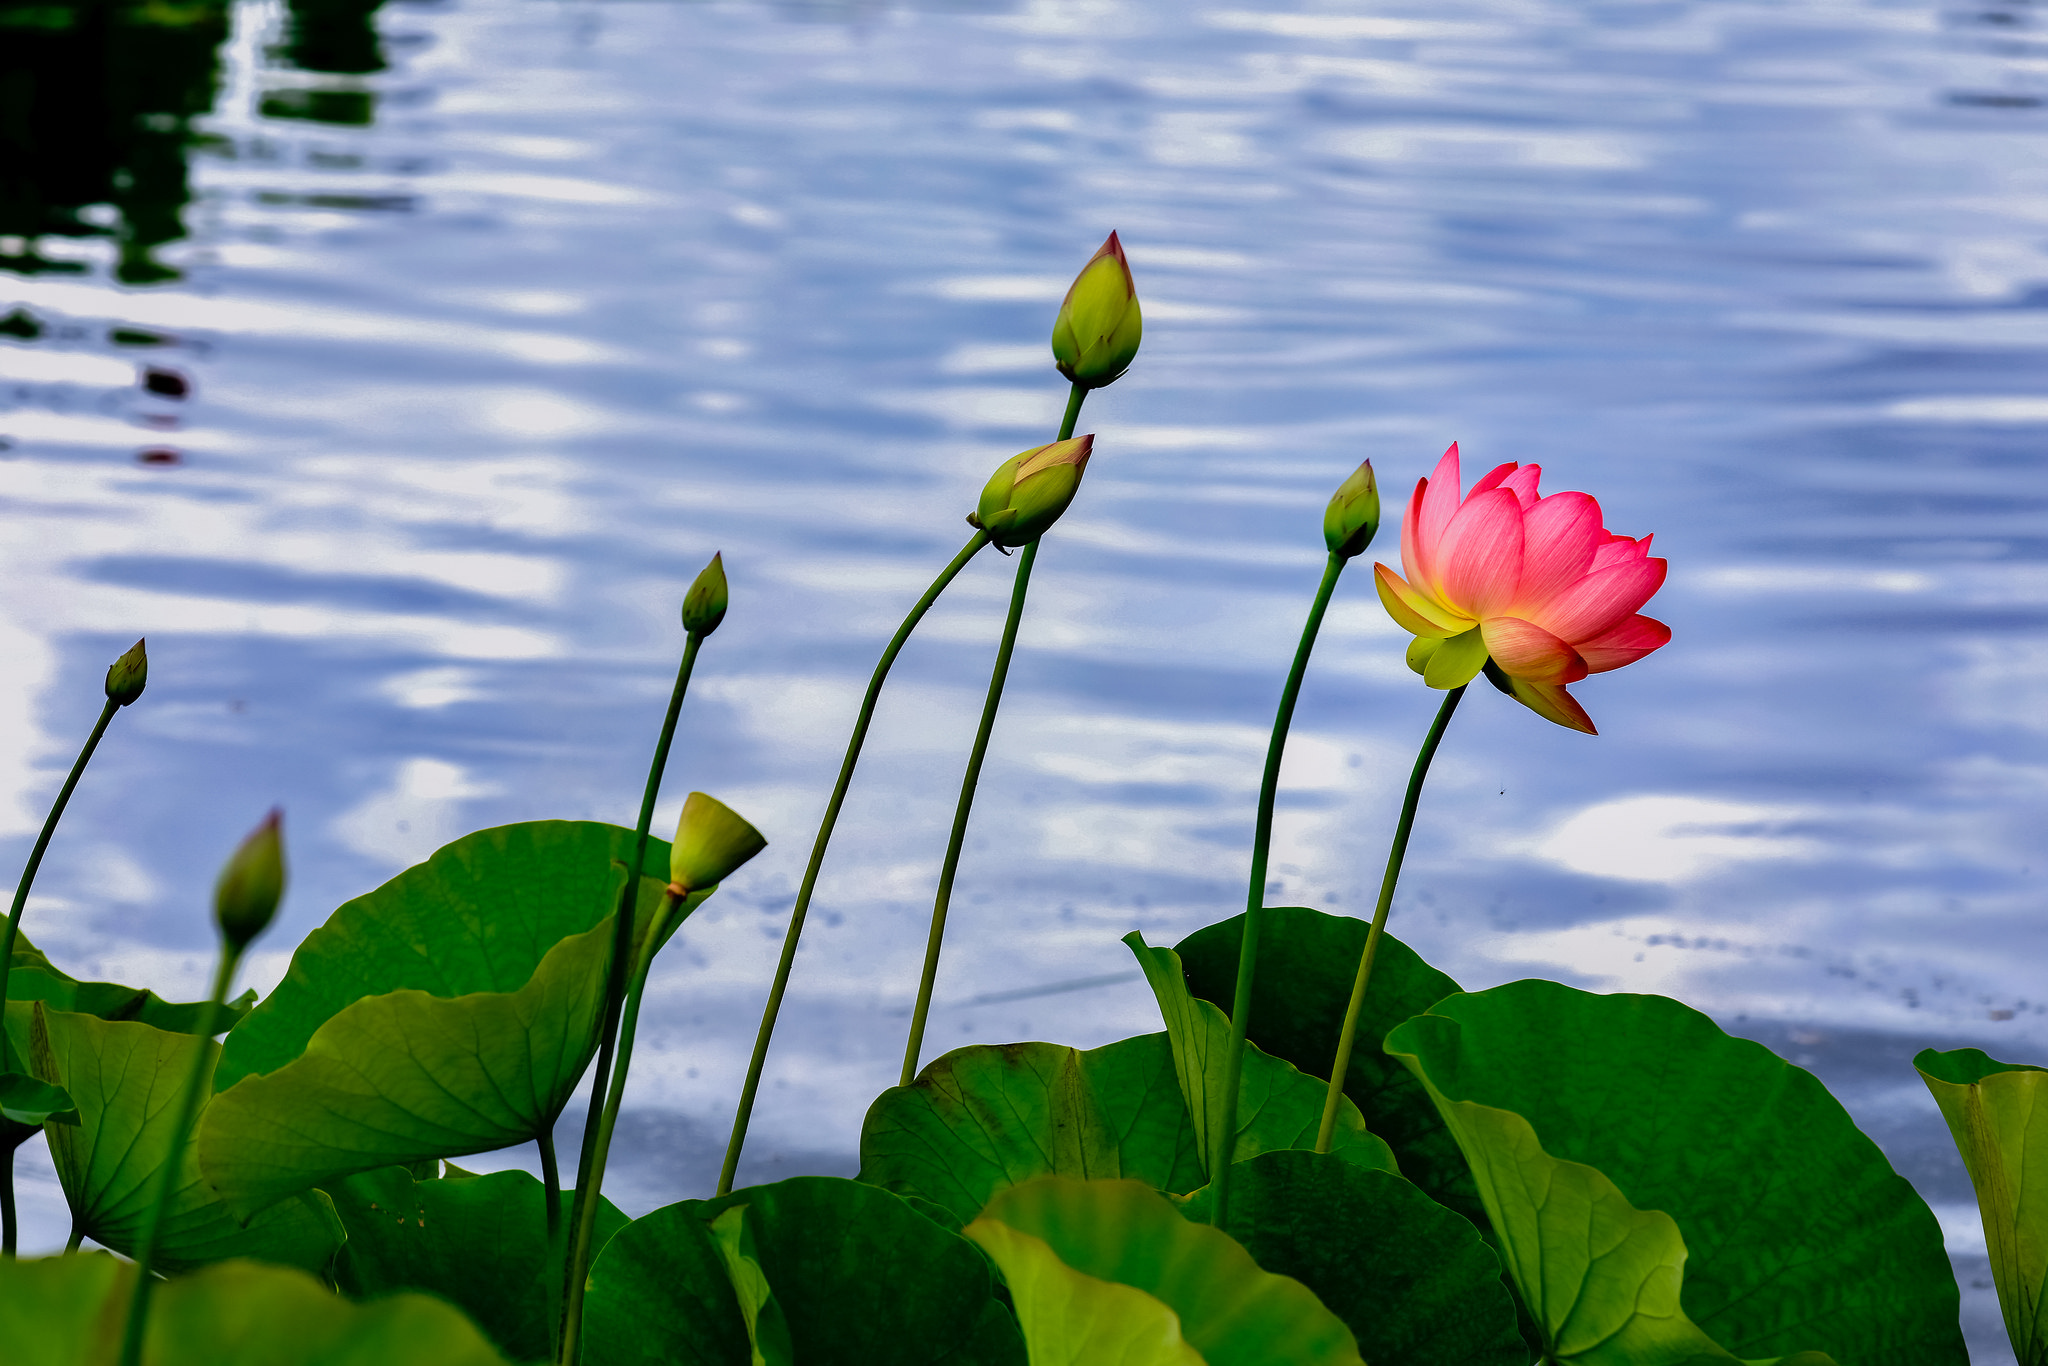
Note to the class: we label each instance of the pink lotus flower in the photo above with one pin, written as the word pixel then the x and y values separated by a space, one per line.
pixel 1533 590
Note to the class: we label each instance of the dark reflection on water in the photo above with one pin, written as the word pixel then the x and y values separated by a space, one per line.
pixel 495 320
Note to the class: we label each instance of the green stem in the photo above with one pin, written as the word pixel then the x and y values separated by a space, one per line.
pixel 622 935
pixel 961 810
pixel 77 1236
pixel 1075 396
pixel 803 896
pixel 166 1177
pixel 551 1187
pixel 586 1224
pixel 1333 1099
pixel 1223 1141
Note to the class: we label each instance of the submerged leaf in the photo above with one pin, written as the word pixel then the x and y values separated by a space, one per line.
pixel 1998 1113
pixel 1229 1311
pixel 1801 1236
pixel 1278 1106
pixel 69 1311
pixel 1410 1279
pixel 1307 961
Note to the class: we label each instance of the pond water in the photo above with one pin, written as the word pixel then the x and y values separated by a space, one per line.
pixel 393 370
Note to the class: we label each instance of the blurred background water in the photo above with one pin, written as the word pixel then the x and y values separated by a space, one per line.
pixel 393 369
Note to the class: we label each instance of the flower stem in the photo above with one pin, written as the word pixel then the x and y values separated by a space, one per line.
pixel 1332 1100
pixel 166 1176
pixel 8 1219
pixel 1224 1140
pixel 622 942
pixel 944 900
pixel 803 896
pixel 592 1182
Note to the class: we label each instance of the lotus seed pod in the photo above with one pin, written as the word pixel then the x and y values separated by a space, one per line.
pixel 1353 517
pixel 711 841
pixel 128 676
pixel 252 884
pixel 1099 324
pixel 704 604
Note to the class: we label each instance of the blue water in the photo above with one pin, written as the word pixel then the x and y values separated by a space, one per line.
pixel 473 388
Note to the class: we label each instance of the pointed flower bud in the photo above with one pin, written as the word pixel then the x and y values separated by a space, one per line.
pixel 1099 325
pixel 1353 516
pixel 711 841
pixel 1030 490
pixel 127 676
pixel 252 884
pixel 704 604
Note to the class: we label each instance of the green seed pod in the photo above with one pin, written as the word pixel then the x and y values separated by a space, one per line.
pixel 711 841
pixel 128 676
pixel 251 885
pixel 1353 517
pixel 1030 490
pixel 1100 324
pixel 704 604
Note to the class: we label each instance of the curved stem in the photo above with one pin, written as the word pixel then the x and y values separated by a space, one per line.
pixel 166 1176
pixel 1075 397
pixel 622 936
pixel 944 900
pixel 1224 1140
pixel 586 1223
pixel 803 896
pixel 551 1191
pixel 1333 1098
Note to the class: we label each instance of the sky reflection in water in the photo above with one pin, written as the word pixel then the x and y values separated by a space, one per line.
pixel 496 320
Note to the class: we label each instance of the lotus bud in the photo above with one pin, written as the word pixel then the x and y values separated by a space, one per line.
pixel 127 676
pixel 1353 516
pixel 1030 490
pixel 1097 331
pixel 704 604
pixel 711 841
pixel 251 885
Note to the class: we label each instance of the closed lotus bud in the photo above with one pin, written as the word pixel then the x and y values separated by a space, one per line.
pixel 1354 513
pixel 1030 490
pixel 704 604
pixel 252 884
pixel 1097 331
pixel 711 841
pixel 127 676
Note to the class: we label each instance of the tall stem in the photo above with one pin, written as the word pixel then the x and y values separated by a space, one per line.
pixel 9 1223
pixel 586 1223
pixel 961 810
pixel 1333 1099
pixel 166 1177
pixel 622 936
pixel 1224 1139
pixel 803 896
pixel 551 1191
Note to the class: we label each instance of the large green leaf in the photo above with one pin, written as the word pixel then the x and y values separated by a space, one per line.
pixel 33 977
pixel 990 1116
pixel 479 1242
pixel 857 1275
pixel 1228 1311
pixel 1307 961
pixel 1998 1112
pixel 69 1311
pixel 1801 1237
pixel 126 1079
pixel 1411 1279
pixel 1278 1106
pixel 732 1233
pixel 478 916
pixel 451 1011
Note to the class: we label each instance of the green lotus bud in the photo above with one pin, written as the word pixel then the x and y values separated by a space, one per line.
pixel 1099 325
pixel 252 884
pixel 711 841
pixel 704 604
pixel 1030 490
pixel 127 676
pixel 1353 516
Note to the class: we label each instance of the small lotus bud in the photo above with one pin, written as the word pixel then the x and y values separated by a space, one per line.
pixel 1353 516
pixel 1097 331
pixel 127 676
pixel 704 604
pixel 251 885
pixel 1030 490
pixel 711 841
